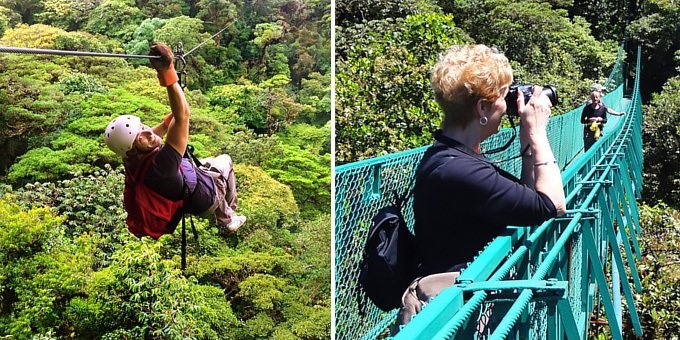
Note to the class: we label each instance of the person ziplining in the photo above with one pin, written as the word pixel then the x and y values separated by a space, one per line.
pixel 161 181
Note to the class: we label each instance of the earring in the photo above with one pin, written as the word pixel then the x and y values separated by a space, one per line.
pixel 483 121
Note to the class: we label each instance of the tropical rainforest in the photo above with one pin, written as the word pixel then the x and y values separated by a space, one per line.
pixel 259 91
pixel 384 104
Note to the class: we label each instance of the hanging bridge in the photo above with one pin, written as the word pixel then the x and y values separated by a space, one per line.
pixel 532 282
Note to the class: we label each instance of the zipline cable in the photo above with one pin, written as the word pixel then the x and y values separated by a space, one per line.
pixel 205 41
pixel 26 50
pixel 179 54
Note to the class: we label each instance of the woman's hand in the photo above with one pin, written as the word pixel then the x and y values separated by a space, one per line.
pixel 535 114
pixel 540 171
pixel 165 65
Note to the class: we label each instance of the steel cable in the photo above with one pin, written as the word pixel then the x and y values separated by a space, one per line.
pixel 205 41
pixel 26 50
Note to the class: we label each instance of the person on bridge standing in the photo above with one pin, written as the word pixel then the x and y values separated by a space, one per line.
pixel 170 180
pixel 462 200
pixel 594 116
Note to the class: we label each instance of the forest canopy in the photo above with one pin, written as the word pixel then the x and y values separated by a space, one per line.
pixel 259 91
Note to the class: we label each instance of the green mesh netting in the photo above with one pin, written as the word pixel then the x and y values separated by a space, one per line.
pixel 362 188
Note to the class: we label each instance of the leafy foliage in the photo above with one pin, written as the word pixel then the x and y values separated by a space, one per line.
pixel 384 102
pixel 658 306
pixel 115 19
pixel 661 136
pixel 34 36
pixel 354 12
pixel 69 267
pixel 81 83
pixel 656 30
pixel 66 14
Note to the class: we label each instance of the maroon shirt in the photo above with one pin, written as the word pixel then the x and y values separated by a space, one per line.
pixel 165 178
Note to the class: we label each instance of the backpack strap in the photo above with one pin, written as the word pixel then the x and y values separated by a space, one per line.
pixel 184 239
pixel 189 153
pixel 401 200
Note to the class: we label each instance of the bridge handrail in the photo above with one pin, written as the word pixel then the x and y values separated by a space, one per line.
pixel 363 187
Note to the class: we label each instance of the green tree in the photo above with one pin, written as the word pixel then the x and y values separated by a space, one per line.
pixel 661 136
pixel 189 32
pixel 163 9
pixel 219 13
pixel 315 92
pixel 25 8
pixel 8 19
pixel 13 18
pixel 143 37
pixel 349 12
pixel 280 108
pixel 656 30
pixel 608 18
pixel 33 36
pixel 659 273
pixel 245 100
pixel 66 14
pixel 115 18
pixel 307 174
pixel 383 98
pixel 182 29
pixel 265 35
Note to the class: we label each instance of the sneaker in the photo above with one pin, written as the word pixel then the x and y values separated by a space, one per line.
pixel 236 222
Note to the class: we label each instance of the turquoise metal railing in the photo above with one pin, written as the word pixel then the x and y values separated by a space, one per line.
pixel 553 283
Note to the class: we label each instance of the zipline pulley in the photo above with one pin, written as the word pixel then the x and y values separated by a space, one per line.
pixel 181 65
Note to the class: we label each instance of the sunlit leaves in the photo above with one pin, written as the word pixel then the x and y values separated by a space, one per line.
pixel 34 36
pixel 659 271
pixel 384 102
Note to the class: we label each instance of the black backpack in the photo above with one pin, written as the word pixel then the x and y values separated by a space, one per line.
pixel 389 262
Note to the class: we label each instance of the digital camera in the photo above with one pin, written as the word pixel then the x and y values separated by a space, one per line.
pixel 526 90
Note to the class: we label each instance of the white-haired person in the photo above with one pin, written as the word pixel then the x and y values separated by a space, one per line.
pixel 168 176
pixel 594 117
pixel 461 199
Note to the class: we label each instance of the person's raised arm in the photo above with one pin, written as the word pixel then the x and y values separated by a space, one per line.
pixel 612 111
pixel 163 126
pixel 178 127
pixel 533 129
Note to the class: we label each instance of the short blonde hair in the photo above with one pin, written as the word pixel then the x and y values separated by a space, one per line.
pixel 465 74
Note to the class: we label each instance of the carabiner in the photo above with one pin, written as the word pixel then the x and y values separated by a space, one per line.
pixel 180 65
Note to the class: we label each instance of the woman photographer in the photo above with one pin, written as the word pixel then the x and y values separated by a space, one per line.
pixel 462 200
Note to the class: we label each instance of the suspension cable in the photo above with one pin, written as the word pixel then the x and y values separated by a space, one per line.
pixel 206 40
pixel 26 50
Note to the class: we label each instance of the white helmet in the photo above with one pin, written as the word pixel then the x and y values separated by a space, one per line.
pixel 121 133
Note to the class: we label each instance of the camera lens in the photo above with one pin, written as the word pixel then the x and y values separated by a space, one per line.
pixel 527 90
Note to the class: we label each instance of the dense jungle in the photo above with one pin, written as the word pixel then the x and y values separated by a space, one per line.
pixel 384 104
pixel 259 92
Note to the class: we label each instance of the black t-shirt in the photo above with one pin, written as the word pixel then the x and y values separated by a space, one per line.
pixel 462 201
pixel 165 178
pixel 590 112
